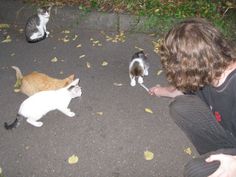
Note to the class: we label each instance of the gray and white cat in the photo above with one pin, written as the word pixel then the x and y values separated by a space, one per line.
pixel 35 29
pixel 138 68
pixel 39 104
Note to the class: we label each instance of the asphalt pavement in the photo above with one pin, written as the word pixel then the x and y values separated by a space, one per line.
pixel 112 130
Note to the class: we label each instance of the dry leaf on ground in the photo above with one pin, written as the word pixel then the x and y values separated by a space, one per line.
pixel 54 60
pixel 88 65
pixel 66 32
pixel 138 48
pixel 4 25
pixel 148 155
pixel 104 63
pixel 148 110
pixel 188 151
pixel 79 45
pixel 73 159
pixel 75 37
pixel 115 38
pixel 159 72
pixel 117 84
pixel 81 56
pixel 8 39
pixel 99 113
pixel 157 45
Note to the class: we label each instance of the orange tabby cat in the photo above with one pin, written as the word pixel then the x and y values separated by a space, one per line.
pixel 36 82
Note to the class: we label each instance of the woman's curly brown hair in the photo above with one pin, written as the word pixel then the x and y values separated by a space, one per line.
pixel 194 54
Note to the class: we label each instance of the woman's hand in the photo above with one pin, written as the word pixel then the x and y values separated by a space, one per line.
pixel 227 166
pixel 164 91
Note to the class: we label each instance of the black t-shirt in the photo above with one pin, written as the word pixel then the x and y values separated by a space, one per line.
pixel 222 102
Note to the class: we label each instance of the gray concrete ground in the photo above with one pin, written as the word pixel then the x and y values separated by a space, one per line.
pixel 112 130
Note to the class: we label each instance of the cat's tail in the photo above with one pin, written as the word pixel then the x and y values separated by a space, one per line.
pixel 19 77
pixel 14 124
pixel 19 74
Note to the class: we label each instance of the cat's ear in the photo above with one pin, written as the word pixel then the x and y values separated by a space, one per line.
pixel 75 82
pixel 49 7
pixel 71 77
pixel 40 10
pixel 141 54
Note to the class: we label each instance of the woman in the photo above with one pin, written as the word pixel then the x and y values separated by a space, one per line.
pixel 200 66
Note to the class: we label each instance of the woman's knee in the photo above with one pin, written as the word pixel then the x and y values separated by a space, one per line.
pixel 199 168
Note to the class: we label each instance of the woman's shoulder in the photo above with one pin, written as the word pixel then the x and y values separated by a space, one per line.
pixel 229 81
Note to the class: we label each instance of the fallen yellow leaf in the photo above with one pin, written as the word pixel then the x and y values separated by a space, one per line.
pixel 148 110
pixel 3 25
pixel 88 65
pixel 54 60
pixel 66 32
pixel 116 38
pixel 21 30
pixel 8 39
pixel 159 72
pixel 138 48
pixel 157 45
pixel 99 113
pixel 76 36
pixel 95 42
pixel 104 63
pixel 188 151
pixel 81 56
pixel 73 159
pixel 79 45
pixel 16 90
pixel 148 155
pixel 65 40
pixel 117 84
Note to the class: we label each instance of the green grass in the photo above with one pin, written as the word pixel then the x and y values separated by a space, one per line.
pixel 161 14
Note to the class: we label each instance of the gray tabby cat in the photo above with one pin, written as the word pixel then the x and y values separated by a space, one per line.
pixel 35 29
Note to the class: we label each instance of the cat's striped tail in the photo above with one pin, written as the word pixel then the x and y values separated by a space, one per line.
pixel 19 75
pixel 19 78
pixel 14 124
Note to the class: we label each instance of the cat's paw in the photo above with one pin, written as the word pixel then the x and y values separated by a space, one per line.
pixel 47 33
pixel 140 80
pixel 146 73
pixel 39 124
pixel 71 114
pixel 133 83
pixel 34 123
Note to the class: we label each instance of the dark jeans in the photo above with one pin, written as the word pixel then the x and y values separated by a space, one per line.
pixel 195 118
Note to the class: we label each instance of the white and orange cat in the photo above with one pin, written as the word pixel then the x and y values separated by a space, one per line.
pixel 36 82
pixel 39 104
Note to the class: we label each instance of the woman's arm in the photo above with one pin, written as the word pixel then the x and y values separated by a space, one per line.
pixel 169 91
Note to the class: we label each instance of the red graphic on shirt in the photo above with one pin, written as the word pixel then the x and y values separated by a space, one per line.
pixel 218 116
